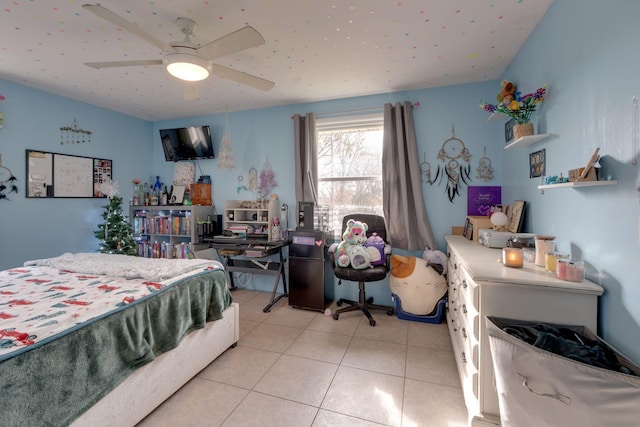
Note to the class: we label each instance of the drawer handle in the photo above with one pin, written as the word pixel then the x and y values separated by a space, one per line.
pixel 464 308
pixel 464 283
pixel 464 357
pixel 464 332
pixel 560 397
pixel 455 266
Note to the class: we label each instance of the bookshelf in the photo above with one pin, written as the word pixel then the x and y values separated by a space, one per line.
pixel 169 231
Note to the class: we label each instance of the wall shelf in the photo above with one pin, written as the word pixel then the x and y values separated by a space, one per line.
pixel 527 140
pixel 578 184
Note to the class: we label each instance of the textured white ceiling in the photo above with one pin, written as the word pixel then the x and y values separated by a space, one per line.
pixel 315 50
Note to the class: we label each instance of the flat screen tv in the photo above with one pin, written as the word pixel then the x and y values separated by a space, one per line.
pixel 188 143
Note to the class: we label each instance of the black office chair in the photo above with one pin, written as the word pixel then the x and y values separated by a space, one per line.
pixel 375 224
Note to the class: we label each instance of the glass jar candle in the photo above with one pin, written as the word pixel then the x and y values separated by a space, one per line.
pixel 543 245
pixel 570 270
pixel 512 257
pixel 551 259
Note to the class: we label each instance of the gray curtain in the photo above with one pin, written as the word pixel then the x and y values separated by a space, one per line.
pixel 408 226
pixel 306 152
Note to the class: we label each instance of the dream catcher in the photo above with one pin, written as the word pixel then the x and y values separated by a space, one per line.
pixel 252 183
pixel 7 182
pixel 453 154
pixel 425 171
pixel 267 179
pixel 253 179
pixel 484 169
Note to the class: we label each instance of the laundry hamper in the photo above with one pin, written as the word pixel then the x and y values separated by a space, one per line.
pixel 537 387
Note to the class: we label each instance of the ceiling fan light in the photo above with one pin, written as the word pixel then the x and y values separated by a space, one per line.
pixel 186 67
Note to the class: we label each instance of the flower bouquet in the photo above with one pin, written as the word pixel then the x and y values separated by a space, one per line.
pixel 519 107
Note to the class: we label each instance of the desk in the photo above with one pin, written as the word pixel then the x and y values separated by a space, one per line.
pixel 230 248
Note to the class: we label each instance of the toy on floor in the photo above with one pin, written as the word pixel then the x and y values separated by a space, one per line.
pixel 417 284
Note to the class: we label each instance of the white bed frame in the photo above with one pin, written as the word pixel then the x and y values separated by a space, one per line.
pixel 155 382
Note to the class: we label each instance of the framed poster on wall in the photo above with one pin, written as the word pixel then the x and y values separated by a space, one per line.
pixel 63 175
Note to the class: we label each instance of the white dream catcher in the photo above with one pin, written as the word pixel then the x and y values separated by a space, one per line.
pixel 225 156
pixel 453 154
pixel 484 169
pixel 425 171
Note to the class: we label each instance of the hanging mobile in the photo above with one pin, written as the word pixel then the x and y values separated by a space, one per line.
pixel 484 169
pixel 425 168
pixel 453 151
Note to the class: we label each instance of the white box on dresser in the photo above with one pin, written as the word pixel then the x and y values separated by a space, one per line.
pixel 480 286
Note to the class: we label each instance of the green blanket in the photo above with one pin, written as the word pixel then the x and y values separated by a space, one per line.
pixel 53 384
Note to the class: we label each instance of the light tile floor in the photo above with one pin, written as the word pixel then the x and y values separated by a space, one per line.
pixel 301 368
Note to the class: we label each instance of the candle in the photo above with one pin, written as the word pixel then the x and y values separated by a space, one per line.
pixel 512 257
pixel 570 270
pixel 551 259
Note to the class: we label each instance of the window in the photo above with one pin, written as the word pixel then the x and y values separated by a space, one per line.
pixel 349 167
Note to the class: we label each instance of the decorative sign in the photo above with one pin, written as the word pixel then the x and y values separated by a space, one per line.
pixel 480 199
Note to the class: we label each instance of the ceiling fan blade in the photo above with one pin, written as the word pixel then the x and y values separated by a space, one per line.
pixel 191 90
pixel 113 64
pixel 242 39
pixel 240 77
pixel 119 21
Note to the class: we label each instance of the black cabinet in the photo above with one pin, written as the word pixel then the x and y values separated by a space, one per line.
pixel 310 274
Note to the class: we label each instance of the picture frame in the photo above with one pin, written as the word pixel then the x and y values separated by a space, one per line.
pixel 591 163
pixel 468 229
pixel 537 163
pixel 177 196
pixel 508 130
pixel 516 216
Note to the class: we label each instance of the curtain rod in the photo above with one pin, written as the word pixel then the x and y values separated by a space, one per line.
pixel 361 110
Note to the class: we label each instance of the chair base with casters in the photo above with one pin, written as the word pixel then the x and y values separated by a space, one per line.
pixel 363 304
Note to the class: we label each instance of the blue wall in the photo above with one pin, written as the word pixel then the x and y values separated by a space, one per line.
pixel 35 228
pixel 583 50
pixel 269 132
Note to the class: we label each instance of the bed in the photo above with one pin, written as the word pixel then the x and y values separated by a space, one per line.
pixel 96 339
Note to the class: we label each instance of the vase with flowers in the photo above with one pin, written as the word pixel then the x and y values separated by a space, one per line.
pixel 520 108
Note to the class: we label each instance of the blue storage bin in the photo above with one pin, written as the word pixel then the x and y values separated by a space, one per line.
pixel 436 317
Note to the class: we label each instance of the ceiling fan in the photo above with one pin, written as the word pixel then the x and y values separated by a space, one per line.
pixel 186 60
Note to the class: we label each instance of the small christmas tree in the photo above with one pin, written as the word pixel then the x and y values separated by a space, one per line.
pixel 115 234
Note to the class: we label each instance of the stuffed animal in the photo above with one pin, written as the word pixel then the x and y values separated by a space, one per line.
pixel 355 233
pixel 436 259
pixel 358 257
pixel 506 94
pixel 418 285
pixel 376 248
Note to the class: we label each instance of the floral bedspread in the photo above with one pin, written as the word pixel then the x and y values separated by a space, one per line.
pixel 39 303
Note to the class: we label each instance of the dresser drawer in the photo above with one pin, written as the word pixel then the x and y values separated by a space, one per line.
pixel 470 288
pixel 468 314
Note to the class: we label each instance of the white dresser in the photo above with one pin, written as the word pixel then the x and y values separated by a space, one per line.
pixel 480 286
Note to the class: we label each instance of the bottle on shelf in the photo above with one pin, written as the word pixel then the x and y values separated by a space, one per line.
pixel 146 194
pixel 165 195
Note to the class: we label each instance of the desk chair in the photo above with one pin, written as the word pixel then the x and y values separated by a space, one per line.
pixel 375 224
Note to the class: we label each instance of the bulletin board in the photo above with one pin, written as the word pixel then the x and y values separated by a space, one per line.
pixel 63 175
